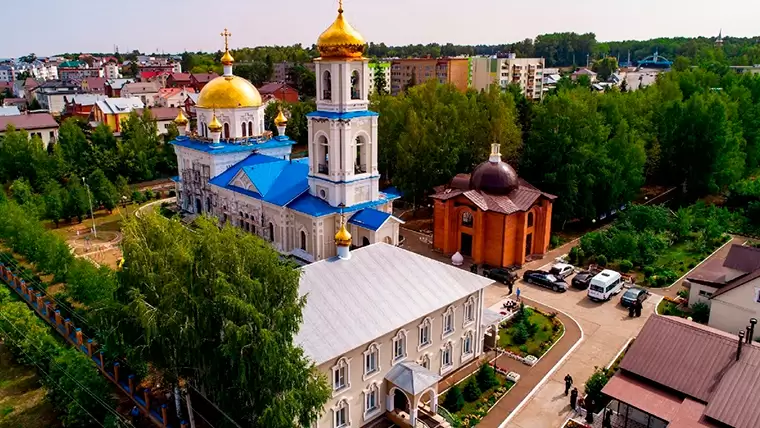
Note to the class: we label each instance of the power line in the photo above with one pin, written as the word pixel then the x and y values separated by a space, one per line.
pixel 214 405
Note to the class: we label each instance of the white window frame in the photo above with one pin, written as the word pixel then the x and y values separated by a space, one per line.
pixel 448 313
pixel 465 354
pixel 341 405
pixel 373 388
pixel 426 324
pixel 342 363
pixel 469 306
pixel 447 347
pixel 400 336
pixel 373 348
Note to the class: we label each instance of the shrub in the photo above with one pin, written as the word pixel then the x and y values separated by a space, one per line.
pixel 700 312
pixel 454 400
pixel 149 194
pixel 523 349
pixel 138 197
pixel 595 383
pixel 683 293
pixel 572 256
pixel 601 260
pixel 471 390
pixel 487 377
pixel 626 266
pixel 648 271
pixel 554 241
pixel 520 333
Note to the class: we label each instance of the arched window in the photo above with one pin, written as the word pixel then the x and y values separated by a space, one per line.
pixel 250 128
pixel 245 134
pixel 362 150
pixel 467 344
pixel 226 131
pixel 356 93
pixel 326 86
pixel 530 219
pixel 303 240
pixel 271 232
pixel 323 157
pixel 365 241
pixel 204 130
pixel 467 219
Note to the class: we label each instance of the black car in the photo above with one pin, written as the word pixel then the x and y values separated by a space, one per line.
pixel 632 295
pixel 545 279
pixel 503 275
pixel 582 280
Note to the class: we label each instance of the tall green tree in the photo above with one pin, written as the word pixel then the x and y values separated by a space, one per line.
pixel 605 67
pixel 54 200
pixel 77 203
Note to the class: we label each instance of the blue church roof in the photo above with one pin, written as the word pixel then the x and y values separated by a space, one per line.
pixel 249 146
pixel 369 218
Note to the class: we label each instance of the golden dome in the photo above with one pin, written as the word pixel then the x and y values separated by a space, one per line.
pixel 229 92
pixel 343 237
pixel 341 40
pixel 281 120
pixel 215 125
pixel 181 119
pixel 227 58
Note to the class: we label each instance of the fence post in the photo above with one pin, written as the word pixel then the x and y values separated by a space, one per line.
pixel 116 372
pixel 89 347
pixel 23 289
pixel 183 424
pixel 102 367
pixel 131 381
pixel 163 414
pixel 79 336
pixel 30 294
pixel 146 395
pixel 40 306
pixel 67 324
pixel 57 317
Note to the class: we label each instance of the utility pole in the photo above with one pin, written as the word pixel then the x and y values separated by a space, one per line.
pixel 92 214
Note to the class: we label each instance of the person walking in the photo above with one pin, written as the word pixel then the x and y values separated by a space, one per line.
pixel 637 307
pixel 518 294
pixel 568 383
pixel 510 283
pixel 574 399
pixel 607 422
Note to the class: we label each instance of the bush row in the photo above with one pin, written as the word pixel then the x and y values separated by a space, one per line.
pixel 75 387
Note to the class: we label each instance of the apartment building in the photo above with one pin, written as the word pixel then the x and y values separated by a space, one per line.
pixel 379 67
pixel 528 73
pixel 280 70
pixel 414 71
pixel 7 73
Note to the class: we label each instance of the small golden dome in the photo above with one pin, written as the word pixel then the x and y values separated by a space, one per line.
pixel 227 58
pixel 215 125
pixel 281 120
pixel 181 119
pixel 341 40
pixel 229 92
pixel 343 237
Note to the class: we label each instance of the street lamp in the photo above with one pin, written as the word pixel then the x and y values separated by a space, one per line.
pixel 92 214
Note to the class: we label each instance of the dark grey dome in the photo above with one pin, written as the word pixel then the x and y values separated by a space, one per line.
pixel 496 178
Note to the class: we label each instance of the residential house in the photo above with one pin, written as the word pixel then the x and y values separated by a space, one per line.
pixel 111 70
pixel 172 97
pixel 113 87
pixel 9 111
pixel 158 77
pixel 178 80
pixel 405 72
pixel 281 70
pixel 94 85
pixel 82 105
pixel 199 80
pixel 280 90
pixel 19 103
pixel 680 374
pixel 583 72
pixel 145 91
pixel 164 117
pixel 42 125
pixel 7 73
pixel 79 72
pixel 190 102
pixel 51 94
pixel 112 111
pixel 527 73
pixel 29 88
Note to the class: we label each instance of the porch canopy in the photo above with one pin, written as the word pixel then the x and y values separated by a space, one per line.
pixel 647 398
pixel 412 378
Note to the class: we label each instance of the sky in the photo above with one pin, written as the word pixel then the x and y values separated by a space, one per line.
pixel 48 27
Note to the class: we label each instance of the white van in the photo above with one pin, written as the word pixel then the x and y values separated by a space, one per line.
pixel 604 285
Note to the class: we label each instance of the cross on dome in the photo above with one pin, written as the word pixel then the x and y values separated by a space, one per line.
pixel 226 34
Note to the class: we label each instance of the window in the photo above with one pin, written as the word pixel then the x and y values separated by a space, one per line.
pixel 340 375
pixel 326 86
pixel 245 134
pixel 448 321
pixel 371 356
pixel 226 131
pixel 355 86
pixel 399 346
pixel 467 219
pixel 530 219
pixel 703 293
pixel 271 232
pixel 362 150
pixel 467 344
pixel 303 240
pixel 469 311
pixel 340 413
pixel 446 357
pixel 323 157
pixel 371 399
pixel 250 128
pixel 424 333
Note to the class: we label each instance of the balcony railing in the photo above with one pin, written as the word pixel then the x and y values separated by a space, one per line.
pixel 323 168
pixel 360 169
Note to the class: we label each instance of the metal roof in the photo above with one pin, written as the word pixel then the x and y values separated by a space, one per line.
pixel 9 111
pixel 381 288
pixel 119 105
pixel 370 219
pixel 29 121
pixel 412 377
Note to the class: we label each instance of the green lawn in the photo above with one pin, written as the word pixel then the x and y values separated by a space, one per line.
pixel 471 408
pixel 23 403
pixel 669 308
pixel 544 333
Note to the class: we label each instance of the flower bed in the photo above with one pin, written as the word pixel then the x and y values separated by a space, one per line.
pixel 530 333
pixel 573 424
pixel 472 412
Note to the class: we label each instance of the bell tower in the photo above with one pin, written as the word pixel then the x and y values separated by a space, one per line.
pixel 343 132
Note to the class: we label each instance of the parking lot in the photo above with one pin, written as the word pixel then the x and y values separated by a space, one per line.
pixel 606 329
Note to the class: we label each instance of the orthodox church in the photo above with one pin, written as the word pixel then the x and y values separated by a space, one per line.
pixel 234 169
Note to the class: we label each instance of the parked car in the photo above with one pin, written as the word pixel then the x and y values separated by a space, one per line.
pixel 632 295
pixel 582 279
pixel 545 279
pixel 561 270
pixel 503 275
pixel 604 285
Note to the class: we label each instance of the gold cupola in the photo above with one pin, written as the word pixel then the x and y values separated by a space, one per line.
pixel 180 120
pixel 280 120
pixel 343 237
pixel 341 40
pixel 215 125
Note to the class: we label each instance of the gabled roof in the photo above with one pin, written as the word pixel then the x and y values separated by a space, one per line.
pixel 163 113
pixel 180 77
pixel 520 199
pixel 29 121
pixel 380 289
pixel 370 218
pixel 273 87
pixel 273 180
pixel 9 111
pixel 204 77
pixel 140 87
pixel 119 105
pixel 316 207
pixel 412 377
pixel 86 99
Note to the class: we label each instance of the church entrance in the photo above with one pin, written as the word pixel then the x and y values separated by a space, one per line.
pixel 528 244
pixel 465 248
pixel 197 205
pixel 400 402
